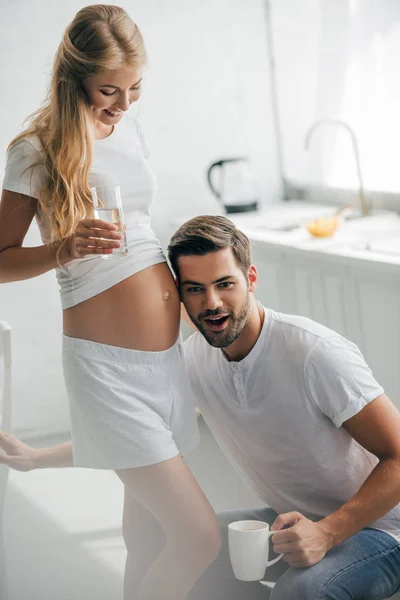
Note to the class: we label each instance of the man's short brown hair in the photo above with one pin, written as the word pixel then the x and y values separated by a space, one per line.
pixel 209 233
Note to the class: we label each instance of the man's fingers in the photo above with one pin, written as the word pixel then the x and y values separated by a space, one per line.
pixel 289 558
pixel 283 548
pixel 297 564
pixel 286 519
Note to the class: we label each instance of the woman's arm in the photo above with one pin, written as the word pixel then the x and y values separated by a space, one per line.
pixel 92 236
pixel 17 263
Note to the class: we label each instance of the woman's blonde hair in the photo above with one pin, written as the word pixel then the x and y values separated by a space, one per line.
pixel 101 37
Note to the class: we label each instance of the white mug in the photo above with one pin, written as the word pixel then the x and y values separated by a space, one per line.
pixel 248 549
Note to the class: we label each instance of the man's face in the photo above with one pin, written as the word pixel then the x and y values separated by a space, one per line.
pixel 216 295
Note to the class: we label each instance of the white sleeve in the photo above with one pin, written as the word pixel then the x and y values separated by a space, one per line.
pixel 338 379
pixel 19 176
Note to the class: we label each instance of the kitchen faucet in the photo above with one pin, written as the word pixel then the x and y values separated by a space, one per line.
pixel 330 120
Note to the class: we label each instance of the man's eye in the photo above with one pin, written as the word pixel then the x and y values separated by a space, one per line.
pixel 194 290
pixel 225 284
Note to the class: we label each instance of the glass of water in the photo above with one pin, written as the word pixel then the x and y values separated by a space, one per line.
pixel 107 206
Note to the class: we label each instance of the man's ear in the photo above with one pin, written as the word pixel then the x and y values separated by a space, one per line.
pixel 253 278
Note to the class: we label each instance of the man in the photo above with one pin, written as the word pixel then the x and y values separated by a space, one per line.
pixel 296 409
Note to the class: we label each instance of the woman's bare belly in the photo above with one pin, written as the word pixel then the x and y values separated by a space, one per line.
pixel 141 312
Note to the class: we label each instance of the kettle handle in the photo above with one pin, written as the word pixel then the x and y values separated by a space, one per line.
pixel 218 163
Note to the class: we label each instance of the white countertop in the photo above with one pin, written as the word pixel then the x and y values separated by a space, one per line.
pixel 375 238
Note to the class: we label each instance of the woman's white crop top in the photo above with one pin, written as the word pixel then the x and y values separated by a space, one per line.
pixel 119 159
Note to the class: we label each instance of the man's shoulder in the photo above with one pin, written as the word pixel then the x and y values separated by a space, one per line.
pixel 294 338
pixel 302 328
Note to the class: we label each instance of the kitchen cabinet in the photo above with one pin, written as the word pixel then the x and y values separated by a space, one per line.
pixel 357 298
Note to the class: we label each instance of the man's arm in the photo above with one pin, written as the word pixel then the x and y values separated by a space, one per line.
pixel 376 427
pixel 22 457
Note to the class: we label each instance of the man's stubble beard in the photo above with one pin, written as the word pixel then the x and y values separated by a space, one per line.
pixel 231 333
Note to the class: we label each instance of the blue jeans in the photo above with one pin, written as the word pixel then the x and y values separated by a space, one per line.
pixel 364 567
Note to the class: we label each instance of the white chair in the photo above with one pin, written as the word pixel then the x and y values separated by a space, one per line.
pixel 5 425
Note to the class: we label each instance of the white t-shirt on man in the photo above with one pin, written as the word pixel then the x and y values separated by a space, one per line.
pixel 278 414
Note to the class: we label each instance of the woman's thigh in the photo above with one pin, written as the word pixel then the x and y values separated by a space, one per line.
pixel 171 494
pixel 142 532
pixel 364 567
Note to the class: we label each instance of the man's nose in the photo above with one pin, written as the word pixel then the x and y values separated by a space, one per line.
pixel 212 301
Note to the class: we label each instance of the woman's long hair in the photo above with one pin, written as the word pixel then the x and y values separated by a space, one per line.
pixel 101 37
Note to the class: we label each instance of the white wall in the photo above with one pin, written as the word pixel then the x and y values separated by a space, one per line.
pixel 206 96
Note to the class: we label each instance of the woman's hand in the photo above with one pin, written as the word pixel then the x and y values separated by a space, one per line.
pixel 92 236
pixel 22 457
pixel 17 455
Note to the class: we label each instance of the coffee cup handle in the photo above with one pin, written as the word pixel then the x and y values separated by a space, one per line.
pixel 274 560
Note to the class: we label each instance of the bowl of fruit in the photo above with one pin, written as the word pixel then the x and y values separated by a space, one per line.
pixel 325 227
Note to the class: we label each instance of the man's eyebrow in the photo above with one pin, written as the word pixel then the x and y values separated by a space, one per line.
pixel 115 87
pixel 220 280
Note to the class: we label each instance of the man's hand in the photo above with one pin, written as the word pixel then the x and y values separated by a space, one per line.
pixel 303 544
pixel 17 455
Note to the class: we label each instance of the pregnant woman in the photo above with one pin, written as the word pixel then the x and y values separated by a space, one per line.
pixel 122 357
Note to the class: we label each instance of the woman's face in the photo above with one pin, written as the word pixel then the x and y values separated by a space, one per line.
pixel 110 93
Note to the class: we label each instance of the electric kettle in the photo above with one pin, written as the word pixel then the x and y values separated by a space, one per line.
pixel 236 190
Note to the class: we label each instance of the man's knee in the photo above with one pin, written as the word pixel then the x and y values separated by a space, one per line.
pixel 302 584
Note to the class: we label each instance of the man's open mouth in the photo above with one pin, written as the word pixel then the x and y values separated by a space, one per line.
pixel 217 323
